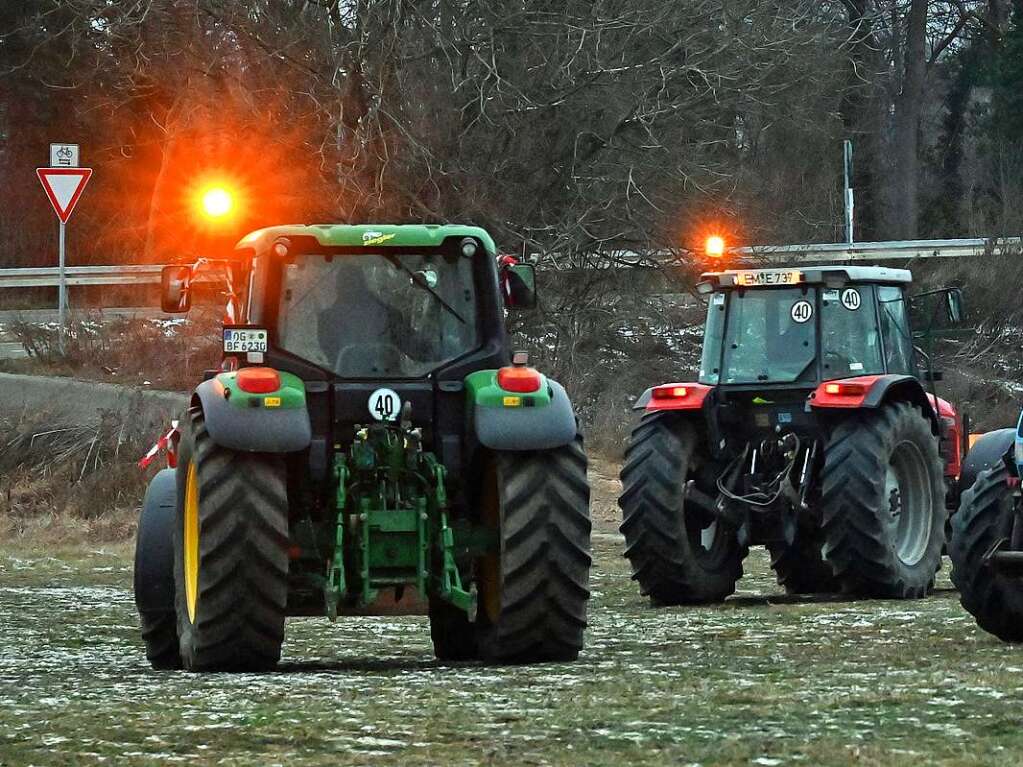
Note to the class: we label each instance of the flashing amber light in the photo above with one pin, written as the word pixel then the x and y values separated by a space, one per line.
pixel 258 380
pixel 217 202
pixel 518 379
pixel 671 392
pixel 845 389
pixel 715 246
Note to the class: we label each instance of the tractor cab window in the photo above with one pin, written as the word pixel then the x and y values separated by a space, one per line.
pixel 378 315
pixel 850 341
pixel 898 339
pixel 769 336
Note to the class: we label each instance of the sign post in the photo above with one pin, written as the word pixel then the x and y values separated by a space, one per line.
pixel 63 187
pixel 850 200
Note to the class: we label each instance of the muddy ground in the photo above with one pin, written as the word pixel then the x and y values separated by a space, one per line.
pixel 761 680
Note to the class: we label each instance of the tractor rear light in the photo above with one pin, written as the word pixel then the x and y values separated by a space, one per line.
pixel 258 380
pixel 845 389
pixel 675 396
pixel 671 392
pixel 848 393
pixel 519 379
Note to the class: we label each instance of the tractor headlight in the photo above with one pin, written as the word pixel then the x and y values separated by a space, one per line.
pixel 468 247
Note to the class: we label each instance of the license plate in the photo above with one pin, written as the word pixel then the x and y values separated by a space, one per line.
pixel 241 341
pixel 758 279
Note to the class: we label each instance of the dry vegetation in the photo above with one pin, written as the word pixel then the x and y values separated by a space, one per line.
pixel 67 483
pixel 170 355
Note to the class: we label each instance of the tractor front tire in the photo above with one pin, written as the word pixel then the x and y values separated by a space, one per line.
pixel 677 556
pixel 231 556
pixel 985 516
pixel 154 573
pixel 533 589
pixel 800 567
pixel 883 502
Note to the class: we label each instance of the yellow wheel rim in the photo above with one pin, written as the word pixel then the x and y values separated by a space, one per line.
pixel 489 566
pixel 191 539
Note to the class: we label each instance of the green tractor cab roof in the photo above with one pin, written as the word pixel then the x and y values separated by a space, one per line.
pixel 368 235
pixel 831 276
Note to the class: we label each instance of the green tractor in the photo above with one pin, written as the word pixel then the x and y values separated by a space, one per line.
pixel 369 442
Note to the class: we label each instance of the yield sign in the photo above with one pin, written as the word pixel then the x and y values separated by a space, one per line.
pixel 64 186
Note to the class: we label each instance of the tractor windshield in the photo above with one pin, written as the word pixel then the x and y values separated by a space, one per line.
pixel 378 315
pixel 760 336
pixel 850 341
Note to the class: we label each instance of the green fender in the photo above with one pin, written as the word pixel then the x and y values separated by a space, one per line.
pixel 506 420
pixel 270 422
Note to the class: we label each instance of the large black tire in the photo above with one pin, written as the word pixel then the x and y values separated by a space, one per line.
pixel 678 556
pixel 801 568
pixel 533 590
pixel 985 515
pixel 154 572
pixel 242 555
pixel 883 502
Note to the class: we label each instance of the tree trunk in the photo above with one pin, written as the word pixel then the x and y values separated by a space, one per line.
pixel 908 107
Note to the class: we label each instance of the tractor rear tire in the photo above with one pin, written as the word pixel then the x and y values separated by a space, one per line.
pixel 154 573
pixel 883 499
pixel 533 590
pixel 675 557
pixel 985 515
pixel 231 595
pixel 801 568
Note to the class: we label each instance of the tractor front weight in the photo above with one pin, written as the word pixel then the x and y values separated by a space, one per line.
pixel 392 527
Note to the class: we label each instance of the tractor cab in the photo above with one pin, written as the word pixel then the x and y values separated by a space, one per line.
pixel 785 347
pixel 797 328
pixel 373 319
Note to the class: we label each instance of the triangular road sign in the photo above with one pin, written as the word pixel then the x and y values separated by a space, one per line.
pixel 64 186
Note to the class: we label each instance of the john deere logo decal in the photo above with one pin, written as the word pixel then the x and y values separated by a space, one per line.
pixel 375 238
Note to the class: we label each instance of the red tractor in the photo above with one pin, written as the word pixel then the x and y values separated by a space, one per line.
pixel 810 431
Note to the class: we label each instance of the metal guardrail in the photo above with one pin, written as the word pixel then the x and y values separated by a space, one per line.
pixel 905 250
pixel 49 276
pixel 149 274
pixel 879 251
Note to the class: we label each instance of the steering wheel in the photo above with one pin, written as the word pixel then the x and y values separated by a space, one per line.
pixel 839 362
pixel 370 359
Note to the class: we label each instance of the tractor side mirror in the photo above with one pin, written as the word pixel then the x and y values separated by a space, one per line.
pixel 954 305
pixel 518 285
pixel 175 295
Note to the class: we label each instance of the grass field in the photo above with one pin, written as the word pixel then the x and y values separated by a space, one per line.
pixel 761 680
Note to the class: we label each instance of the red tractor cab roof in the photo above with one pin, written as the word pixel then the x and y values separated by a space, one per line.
pixel 830 276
